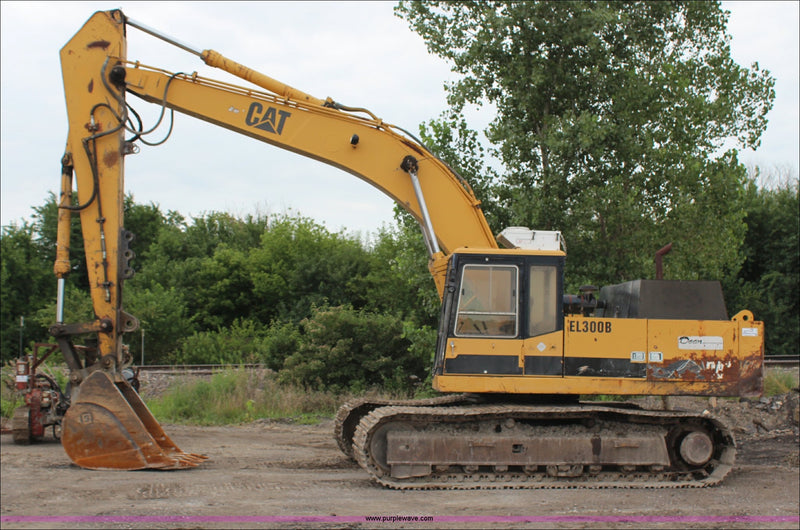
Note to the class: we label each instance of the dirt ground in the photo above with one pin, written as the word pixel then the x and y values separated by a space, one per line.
pixel 270 474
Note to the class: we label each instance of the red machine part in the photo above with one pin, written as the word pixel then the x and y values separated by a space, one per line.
pixel 23 373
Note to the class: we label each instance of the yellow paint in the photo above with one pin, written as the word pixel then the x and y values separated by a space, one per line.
pixel 614 338
pixel 573 386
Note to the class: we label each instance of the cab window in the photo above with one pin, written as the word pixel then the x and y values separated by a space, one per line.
pixel 543 300
pixel 487 303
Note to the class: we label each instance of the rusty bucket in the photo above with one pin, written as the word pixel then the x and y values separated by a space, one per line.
pixel 110 427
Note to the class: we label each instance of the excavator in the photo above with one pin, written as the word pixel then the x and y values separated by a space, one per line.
pixel 517 360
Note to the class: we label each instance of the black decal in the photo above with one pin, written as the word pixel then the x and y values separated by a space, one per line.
pixel 270 116
pixel 608 327
pixel 483 364
pixel 272 121
pixel 267 121
pixel 543 365
pixel 253 112
pixel 283 114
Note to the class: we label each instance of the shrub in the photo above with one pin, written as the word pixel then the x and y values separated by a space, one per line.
pixel 243 342
pixel 344 349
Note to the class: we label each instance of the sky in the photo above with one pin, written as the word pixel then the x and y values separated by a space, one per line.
pixel 358 53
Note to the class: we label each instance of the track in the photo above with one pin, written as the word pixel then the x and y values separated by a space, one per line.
pixel 535 429
pixel 352 412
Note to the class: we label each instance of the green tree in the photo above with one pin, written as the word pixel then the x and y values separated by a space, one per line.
pixel 45 228
pixel 206 262
pixel 26 283
pixel 164 322
pixel 299 264
pixel 769 281
pixel 398 281
pixel 610 118
pixel 144 220
pixel 460 147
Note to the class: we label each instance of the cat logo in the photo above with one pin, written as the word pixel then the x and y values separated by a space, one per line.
pixel 271 120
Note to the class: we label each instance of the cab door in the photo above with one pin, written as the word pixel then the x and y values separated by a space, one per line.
pixel 484 337
pixel 543 345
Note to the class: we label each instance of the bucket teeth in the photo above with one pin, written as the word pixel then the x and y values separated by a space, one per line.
pixel 189 459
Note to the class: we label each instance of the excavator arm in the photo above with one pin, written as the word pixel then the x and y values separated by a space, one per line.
pixel 98 78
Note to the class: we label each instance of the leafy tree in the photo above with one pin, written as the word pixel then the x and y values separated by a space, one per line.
pixel 45 227
pixel 145 221
pixel 77 308
pixel 460 147
pixel 770 275
pixel 398 281
pixel 283 340
pixel 26 282
pixel 164 322
pixel 299 264
pixel 206 262
pixel 610 117
pixel 221 290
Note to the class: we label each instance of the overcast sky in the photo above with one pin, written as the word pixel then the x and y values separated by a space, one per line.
pixel 359 53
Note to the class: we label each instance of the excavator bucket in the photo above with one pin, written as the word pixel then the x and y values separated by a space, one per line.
pixel 110 427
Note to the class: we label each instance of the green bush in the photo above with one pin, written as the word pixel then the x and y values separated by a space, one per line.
pixel 283 339
pixel 243 342
pixel 343 349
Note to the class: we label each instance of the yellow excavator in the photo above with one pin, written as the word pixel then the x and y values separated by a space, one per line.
pixel 514 353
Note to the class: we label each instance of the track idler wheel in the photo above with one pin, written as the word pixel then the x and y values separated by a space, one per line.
pixel 696 448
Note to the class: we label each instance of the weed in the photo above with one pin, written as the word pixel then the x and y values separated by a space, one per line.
pixel 238 395
pixel 778 382
pixel 10 399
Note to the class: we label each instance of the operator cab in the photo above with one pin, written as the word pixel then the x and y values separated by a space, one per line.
pixel 502 311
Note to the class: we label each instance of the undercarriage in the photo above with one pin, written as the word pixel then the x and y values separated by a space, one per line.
pixel 456 442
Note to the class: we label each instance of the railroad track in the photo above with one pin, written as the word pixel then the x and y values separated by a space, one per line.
pixel 784 361
pixel 196 369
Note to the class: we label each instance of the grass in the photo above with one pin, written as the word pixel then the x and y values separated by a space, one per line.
pixel 238 396
pixel 777 382
pixel 9 401
pixel 9 398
